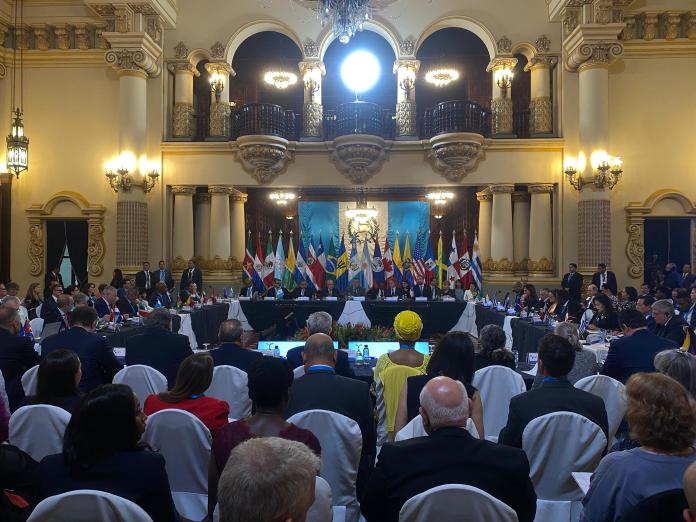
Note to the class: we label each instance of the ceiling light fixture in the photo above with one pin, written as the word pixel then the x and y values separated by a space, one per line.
pixel 440 198
pixel 441 77
pixel 17 142
pixel 360 71
pixel 282 198
pixel 280 79
pixel 361 212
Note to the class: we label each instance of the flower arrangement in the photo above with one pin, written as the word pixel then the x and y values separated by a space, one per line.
pixel 344 333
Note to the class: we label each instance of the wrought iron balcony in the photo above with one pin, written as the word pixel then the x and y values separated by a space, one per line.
pixel 264 119
pixel 456 116
pixel 358 118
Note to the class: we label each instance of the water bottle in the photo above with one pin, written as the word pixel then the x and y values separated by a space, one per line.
pixel 366 354
pixel 358 357
pixel 224 293
pixel 276 352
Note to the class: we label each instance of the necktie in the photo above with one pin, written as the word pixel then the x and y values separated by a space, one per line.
pixel 147 280
pixel 190 274
pixel 161 275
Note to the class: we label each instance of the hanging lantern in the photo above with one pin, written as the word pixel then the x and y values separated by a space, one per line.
pixel 17 146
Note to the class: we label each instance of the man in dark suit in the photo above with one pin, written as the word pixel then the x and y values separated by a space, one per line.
pixel 106 305
pixel 230 351
pixel 320 388
pixel 667 324
pixel 690 314
pixel 17 355
pixel 686 278
pixel 52 276
pixel 420 289
pixel 565 308
pixel 164 275
pixel 158 347
pixel 605 277
pixel 672 278
pixel 392 290
pixel 191 275
pixel 49 309
pixel 99 364
pixel 248 290
pixel 644 306
pixel 329 290
pixel 355 290
pixel 302 290
pixel 449 455
pixel 144 280
pixel 161 296
pixel 128 304
pixel 277 291
pixel 572 283
pixel 592 292
pixel 556 359
pixel 636 350
pixel 321 322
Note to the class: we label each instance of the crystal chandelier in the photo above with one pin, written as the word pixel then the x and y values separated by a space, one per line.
pixel 442 77
pixel 282 198
pixel 17 142
pixel 280 79
pixel 361 212
pixel 345 16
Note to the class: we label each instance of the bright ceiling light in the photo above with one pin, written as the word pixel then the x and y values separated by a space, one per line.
pixel 442 77
pixel 280 79
pixel 282 198
pixel 440 198
pixel 360 71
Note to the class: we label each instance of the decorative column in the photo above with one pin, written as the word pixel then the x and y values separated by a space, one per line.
pixel 406 127
pixel 201 238
pixel 520 230
pixel 182 117
pixel 312 109
pixel 540 230
pixel 220 227
pixel 220 101
pixel 501 103
pixel 237 225
pixel 182 247
pixel 485 199
pixel 540 105
pixel 502 255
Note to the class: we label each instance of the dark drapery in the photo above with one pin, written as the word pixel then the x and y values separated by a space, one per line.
pixel 55 243
pixel 76 234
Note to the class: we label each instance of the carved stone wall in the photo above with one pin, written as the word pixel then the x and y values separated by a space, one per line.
pixel 312 120
pixel 406 118
pixel 131 234
pixel 541 115
pixel 220 119
pixel 594 233
pixel 501 109
pixel 182 120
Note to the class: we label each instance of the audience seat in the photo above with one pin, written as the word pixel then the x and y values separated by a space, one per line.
pixel 612 392
pixel 667 506
pixel 30 381
pixel 298 372
pixel 87 505
pixel 37 325
pixel 497 385
pixel 38 429
pixel 415 429
pixel 456 502
pixel 184 442
pixel 143 380
pixel 231 384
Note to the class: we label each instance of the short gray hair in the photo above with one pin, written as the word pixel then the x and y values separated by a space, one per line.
pixel 109 289
pixel 492 337
pixel 80 299
pixel 319 322
pixel 441 415
pixel 64 300
pixel 680 366
pixel 664 306
pixel 267 479
pixel 9 298
pixel 159 318
pixel 230 331
pixel 570 332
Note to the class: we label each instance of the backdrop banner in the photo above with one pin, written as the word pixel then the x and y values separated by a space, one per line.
pixel 319 218
pixel 412 218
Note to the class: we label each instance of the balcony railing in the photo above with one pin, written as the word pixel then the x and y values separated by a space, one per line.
pixel 456 116
pixel 358 118
pixel 264 119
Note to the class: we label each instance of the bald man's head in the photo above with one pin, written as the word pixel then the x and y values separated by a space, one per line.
pixel 690 492
pixel 319 349
pixel 444 403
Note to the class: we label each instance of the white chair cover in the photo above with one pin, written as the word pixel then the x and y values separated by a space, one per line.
pixel 38 310
pixel 30 380
pixel 497 385
pixel 612 393
pixel 184 442
pixel 87 505
pixel 341 444
pixel 38 429
pixel 37 326
pixel 558 444
pixel 458 502
pixel 415 429
pixel 299 372
pixel 231 384
pixel 321 510
pixel 142 379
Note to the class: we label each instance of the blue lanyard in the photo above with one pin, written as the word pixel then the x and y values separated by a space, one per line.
pixel 321 368
pixel 553 379
pixel 197 396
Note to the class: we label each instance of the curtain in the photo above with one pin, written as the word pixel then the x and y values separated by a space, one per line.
pixel 55 243
pixel 76 234
pixel 319 219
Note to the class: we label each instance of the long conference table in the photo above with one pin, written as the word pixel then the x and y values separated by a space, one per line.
pixel 201 325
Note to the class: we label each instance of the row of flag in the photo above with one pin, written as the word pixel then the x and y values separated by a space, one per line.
pixel 373 268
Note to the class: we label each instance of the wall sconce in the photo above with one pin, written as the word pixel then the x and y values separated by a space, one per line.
pixel 408 82
pixel 118 177
pixel 282 198
pixel 438 216
pixel 503 79
pixel 574 177
pixel 217 84
pixel 150 179
pixel 608 173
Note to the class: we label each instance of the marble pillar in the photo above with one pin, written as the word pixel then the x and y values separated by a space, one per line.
pixel 540 230
pixel 237 226
pixel 406 116
pixel 220 111
pixel 219 227
pixel 312 109
pixel 520 231
pixel 201 236
pixel 501 103
pixel 540 105
pixel 182 229
pixel 485 199
pixel 501 262
pixel 182 116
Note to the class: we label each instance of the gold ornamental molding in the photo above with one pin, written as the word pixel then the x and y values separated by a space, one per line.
pixel 38 214
pixel 637 212
pixel 504 265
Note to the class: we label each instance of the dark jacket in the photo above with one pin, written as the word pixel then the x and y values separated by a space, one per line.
pixel 673 329
pixel 126 306
pixel 49 278
pixel 550 397
pixel 357 291
pixel 234 355
pixel 324 292
pixel 606 321
pixel 139 476
pixel 50 312
pixel 99 364
pixel 569 309
pixel 272 292
pixel 447 456
pixel 160 349
pixel 633 354
pixel 191 276
pixel 141 280
pixel 168 279
pixel 102 307
pixel 164 299
pixel 426 292
pixel 611 281
pixel 573 283
pixel 297 292
pixel 349 397
pixel 17 355
pixel 393 292
pixel 294 357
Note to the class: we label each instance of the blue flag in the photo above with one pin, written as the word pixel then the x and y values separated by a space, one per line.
pixel 377 267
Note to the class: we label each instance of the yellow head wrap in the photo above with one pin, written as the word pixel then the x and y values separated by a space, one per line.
pixel 408 325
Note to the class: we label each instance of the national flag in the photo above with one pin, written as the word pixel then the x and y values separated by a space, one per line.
pixel 366 276
pixel 465 263
pixel 289 274
pixel 398 265
pixel 342 267
pixel 583 325
pixel 453 262
pixel 387 261
pixel 506 302
pixel 330 266
pixel 26 330
pixel 441 263
pixel 321 255
pixel 259 266
pixel 429 263
pixel 315 272
pixel 407 262
pixel 269 263
pixel 418 262
pixel 689 344
pixel 354 265
pixel 476 271
pixel 377 267
pixel 300 263
pixel 279 268
pixel 248 264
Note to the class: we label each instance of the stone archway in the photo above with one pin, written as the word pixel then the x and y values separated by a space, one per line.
pixel 38 214
pixel 637 212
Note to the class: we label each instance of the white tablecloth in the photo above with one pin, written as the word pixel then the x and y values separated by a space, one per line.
pixel 354 313
pixel 467 321
pixel 186 329
pixel 236 312
pixel 507 327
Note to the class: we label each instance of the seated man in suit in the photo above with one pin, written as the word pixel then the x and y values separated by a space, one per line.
pixel 51 277
pixel 556 359
pixel 161 296
pixel 128 305
pixel 355 290
pixel 376 292
pixel 98 362
pixel 686 278
pixel 189 296
pixel 329 290
pixel 277 291
pixel 248 290
pixel 106 304
pixel 448 455
pixel 302 290
pixel 230 351
pixel 17 355
pixel 49 309
pixel 392 290
pixel 636 350
pixel 667 323
pixel 320 388
pixel 565 308
pixel 592 292
pixel 644 306
pixel 420 289
pixel 164 275
pixel 321 322
pixel 158 346
pixel 144 280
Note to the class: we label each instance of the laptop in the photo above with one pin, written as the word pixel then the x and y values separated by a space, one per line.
pixel 379 348
pixel 283 346
pixel 49 330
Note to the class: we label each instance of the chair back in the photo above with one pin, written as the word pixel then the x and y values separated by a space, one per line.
pixel 497 385
pixel 415 429
pixel 38 310
pixel 143 380
pixel 184 442
pixel 38 429
pixel 341 444
pixel 456 502
pixel 612 393
pixel 667 506
pixel 30 381
pixel 556 445
pixel 299 372
pixel 322 509
pixel 37 325
pixel 388 389
pixel 231 384
pixel 87 505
